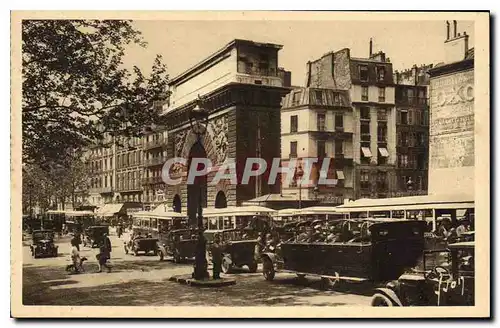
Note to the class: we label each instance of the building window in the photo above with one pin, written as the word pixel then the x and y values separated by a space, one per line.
pixel 293 148
pixel 339 122
pixel 382 180
pixel 381 94
pixel 321 148
pixel 365 131
pixel 294 122
pixel 365 113
pixel 404 139
pixel 319 97
pixel 404 117
pixel 336 98
pixel 410 117
pixel 422 98
pixel 364 179
pixel 296 98
pixel 411 97
pixel 382 132
pixel 382 114
pixel 383 154
pixel 363 73
pixel 421 162
pixel 364 93
pixel 249 68
pixel 339 148
pixel 412 140
pixel 366 153
pixel 403 160
pixel 321 122
pixel 420 182
pixel 381 73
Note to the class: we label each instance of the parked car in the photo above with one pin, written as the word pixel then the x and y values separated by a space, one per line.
pixel 179 244
pixel 43 244
pixel 94 235
pixel 448 281
pixel 372 250
pixel 238 249
pixel 145 245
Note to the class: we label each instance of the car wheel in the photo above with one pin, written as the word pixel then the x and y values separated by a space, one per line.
pixel 226 266
pixel 381 300
pixel 268 270
pixel 253 267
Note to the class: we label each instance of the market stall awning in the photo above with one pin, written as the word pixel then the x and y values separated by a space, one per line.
pixel 109 209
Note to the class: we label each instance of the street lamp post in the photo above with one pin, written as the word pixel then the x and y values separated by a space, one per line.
pixel 198 119
pixel 299 175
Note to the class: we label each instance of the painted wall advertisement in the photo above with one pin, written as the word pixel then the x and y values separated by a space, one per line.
pixel 452 121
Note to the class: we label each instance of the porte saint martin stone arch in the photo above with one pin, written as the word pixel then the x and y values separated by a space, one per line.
pixel 242 87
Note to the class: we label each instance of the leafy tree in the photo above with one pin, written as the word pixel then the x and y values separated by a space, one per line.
pixel 75 87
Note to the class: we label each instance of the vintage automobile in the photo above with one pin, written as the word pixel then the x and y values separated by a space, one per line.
pixel 141 244
pixel 448 281
pixel 371 250
pixel 179 244
pixel 43 244
pixel 94 235
pixel 238 249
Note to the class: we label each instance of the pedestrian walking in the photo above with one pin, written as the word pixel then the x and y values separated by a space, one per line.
pixel 216 257
pixel 104 254
pixel 78 240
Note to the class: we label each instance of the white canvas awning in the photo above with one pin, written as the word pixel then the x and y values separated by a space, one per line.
pixel 109 209
pixel 340 175
pixel 383 152
pixel 366 151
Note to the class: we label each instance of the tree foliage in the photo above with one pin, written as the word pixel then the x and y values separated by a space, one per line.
pixel 62 184
pixel 75 87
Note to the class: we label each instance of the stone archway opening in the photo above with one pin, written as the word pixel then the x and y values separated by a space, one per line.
pixel 176 204
pixel 220 200
pixel 197 191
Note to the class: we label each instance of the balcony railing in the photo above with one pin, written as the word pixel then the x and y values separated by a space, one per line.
pixel 155 161
pixel 101 190
pixel 129 187
pixel 413 101
pixel 152 180
pixel 154 144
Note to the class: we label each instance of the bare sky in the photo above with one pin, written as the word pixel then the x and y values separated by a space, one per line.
pixel 184 43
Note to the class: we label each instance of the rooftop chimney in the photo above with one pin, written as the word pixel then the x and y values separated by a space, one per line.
pixel 456 48
pixel 371 47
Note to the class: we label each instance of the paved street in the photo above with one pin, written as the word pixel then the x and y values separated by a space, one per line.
pixel 143 280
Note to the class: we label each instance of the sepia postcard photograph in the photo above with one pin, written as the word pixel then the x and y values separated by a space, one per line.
pixel 258 164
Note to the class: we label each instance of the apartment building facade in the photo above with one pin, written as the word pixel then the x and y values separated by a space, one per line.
pixel 412 129
pixel 318 123
pixel 371 88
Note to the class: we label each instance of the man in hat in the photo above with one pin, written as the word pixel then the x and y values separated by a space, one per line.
pixel 216 257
